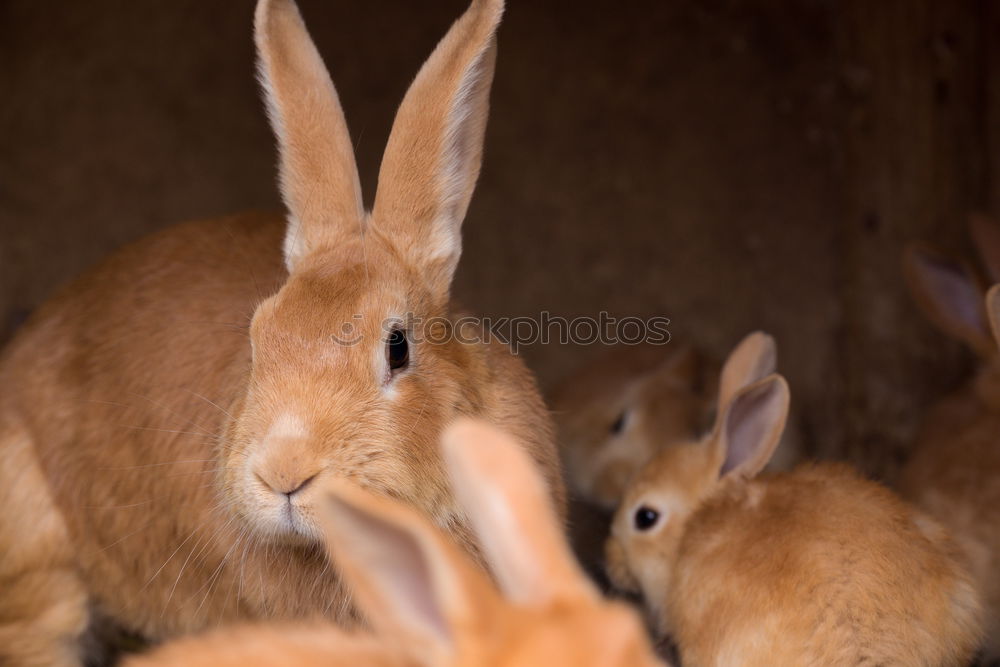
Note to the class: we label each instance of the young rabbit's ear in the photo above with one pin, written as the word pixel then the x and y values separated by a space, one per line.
pixel 751 425
pixel 950 296
pixel 319 177
pixel 510 508
pixel 986 235
pixel 993 310
pixel 410 582
pixel 753 358
pixel 685 364
pixel 432 160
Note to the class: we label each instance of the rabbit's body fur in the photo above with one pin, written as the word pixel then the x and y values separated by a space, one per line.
pixel 818 567
pixel 954 475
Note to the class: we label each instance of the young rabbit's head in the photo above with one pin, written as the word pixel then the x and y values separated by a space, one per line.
pixel 658 503
pixel 619 411
pixel 354 365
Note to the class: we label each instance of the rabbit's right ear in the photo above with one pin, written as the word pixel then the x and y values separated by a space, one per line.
pixel 755 357
pixel 410 582
pixel 510 508
pixel 318 173
pixel 750 427
pixel 435 149
pixel 950 296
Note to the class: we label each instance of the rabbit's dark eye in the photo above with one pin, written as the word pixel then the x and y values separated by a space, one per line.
pixel 646 518
pixel 618 425
pixel 397 350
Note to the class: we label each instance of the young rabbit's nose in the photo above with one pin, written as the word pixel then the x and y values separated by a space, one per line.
pixel 284 484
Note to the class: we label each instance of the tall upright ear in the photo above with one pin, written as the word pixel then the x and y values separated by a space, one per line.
pixel 510 508
pixel 409 581
pixel 986 235
pixel 948 293
pixel 435 149
pixel 753 358
pixel 751 425
pixel 318 174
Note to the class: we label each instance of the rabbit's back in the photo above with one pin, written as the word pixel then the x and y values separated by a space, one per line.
pixel 821 567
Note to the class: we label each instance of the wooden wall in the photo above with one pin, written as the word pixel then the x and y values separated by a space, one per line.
pixel 732 164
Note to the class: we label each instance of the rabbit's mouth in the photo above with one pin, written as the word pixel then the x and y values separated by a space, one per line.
pixel 283 517
pixel 282 509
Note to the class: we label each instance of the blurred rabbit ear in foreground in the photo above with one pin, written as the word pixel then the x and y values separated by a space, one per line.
pixel 735 564
pixel 427 603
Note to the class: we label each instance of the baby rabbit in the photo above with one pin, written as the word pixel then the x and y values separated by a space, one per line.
pixel 812 567
pixel 427 603
pixel 954 469
pixel 168 421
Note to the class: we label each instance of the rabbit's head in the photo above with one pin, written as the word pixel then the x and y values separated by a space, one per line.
pixel 650 522
pixel 619 411
pixel 355 364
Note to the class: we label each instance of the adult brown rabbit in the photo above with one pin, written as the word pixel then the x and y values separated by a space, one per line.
pixel 166 420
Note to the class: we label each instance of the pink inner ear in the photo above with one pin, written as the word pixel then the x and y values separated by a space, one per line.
pixel 399 568
pixel 749 425
pixel 954 291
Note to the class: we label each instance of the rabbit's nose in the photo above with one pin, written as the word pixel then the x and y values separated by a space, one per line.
pixel 284 484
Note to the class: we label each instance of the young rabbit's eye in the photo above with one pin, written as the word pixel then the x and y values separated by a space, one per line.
pixel 646 518
pixel 619 424
pixel 397 350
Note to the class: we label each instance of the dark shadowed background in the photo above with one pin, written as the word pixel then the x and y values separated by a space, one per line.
pixel 731 164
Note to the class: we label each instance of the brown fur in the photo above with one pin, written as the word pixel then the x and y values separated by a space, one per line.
pixel 954 471
pixel 148 404
pixel 428 604
pixel 814 566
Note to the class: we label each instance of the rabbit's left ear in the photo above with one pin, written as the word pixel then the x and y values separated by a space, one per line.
pixel 753 358
pixel 432 160
pixel 409 581
pixel 750 427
